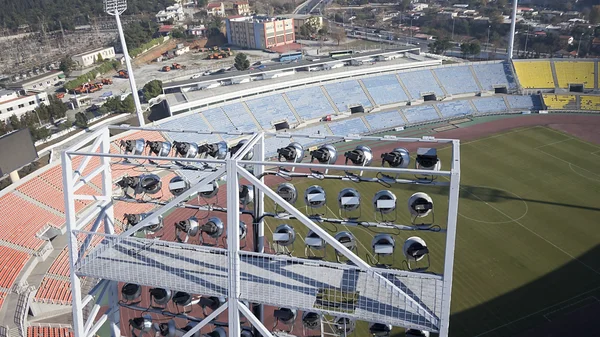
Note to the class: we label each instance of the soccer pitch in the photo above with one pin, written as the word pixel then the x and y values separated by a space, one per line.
pixel 528 246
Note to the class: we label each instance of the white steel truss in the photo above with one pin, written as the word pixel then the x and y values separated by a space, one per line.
pixel 401 298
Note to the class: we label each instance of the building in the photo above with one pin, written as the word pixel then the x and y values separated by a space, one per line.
pixel 301 19
pixel 259 32
pixel 174 12
pixel 90 57
pixel 216 9
pixel 241 8
pixel 13 103
pixel 199 30
pixel 38 83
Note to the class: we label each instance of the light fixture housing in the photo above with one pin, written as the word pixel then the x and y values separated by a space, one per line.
pixel 142 324
pixel 347 239
pixel 133 146
pixel 398 158
pixel 249 155
pixel 243 230
pixel 325 154
pixel 415 248
pixel 246 194
pixel 362 155
pixel 212 302
pixel 420 204
pixel 214 227
pixel 427 159
pixel 190 227
pixel 182 298
pixel 166 329
pixel 315 196
pixel 178 185
pixel 314 241
pixel 217 150
pixel 218 332
pixel 160 296
pixel 349 199
pixel 288 192
pixel 210 190
pixel 384 202
pixel 160 149
pixel 416 333
pixel 311 320
pixel 185 149
pixel 284 235
pixel 131 291
pixel 134 219
pixel 344 325
pixel 145 183
pixel 383 244
pixel 286 315
pixel 380 330
pixel 293 153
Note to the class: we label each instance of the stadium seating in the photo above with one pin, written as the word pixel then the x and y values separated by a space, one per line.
pixel 274 143
pixel 219 121
pixel 189 122
pixel 419 83
pixel 457 80
pixel 2 298
pixel 348 126
pixel 574 72
pixel 420 114
pixel 524 102
pixel 494 75
pixel 347 93
pixel 385 89
pixel 560 102
pixel 489 104
pixel 271 109
pixel 53 290
pixel 60 266
pixel 455 108
pixel 590 103
pixel 384 120
pixel 320 129
pixel 534 74
pixel 239 117
pixel 46 331
pixel 13 263
pixel 310 103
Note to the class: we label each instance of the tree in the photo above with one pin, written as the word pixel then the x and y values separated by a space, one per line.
pixel 338 35
pixel 81 120
pixel 152 89
pixel 178 33
pixel 595 15
pixel 14 121
pixel 241 62
pixel 474 48
pixel 202 3
pixel 127 105
pixel 66 65
pixel 99 58
pixel 440 46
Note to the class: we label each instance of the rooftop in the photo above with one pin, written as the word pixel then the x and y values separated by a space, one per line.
pixel 49 74
pixel 93 51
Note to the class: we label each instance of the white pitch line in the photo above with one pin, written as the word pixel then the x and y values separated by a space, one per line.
pixel 569 163
pixel 568 306
pixel 553 143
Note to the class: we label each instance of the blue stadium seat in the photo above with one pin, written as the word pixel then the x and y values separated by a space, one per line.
pixel 219 121
pixel 524 102
pixel 490 104
pixel 348 126
pixel 274 143
pixel 310 103
pixel 313 130
pixel 347 93
pixel 420 114
pixel 240 118
pixel 189 122
pixel 385 89
pixel 455 108
pixel 270 109
pixel 420 82
pixel 494 74
pixel 384 120
pixel 457 80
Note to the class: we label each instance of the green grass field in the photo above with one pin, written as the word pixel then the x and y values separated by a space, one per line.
pixel 528 246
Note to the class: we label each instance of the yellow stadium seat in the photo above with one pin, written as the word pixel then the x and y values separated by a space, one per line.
pixel 590 103
pixel 534 74
pixel 569 72
pixel 560 102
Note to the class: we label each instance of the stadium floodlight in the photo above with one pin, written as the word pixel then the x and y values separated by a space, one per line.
pixel 348 240
pixel 420 205
pixel 145 183
pixel 286 316
pixel 315 197
pixel 178 185
pixel 133 146
pixel 189 327
pixel 213 228
pixel 380 330
pixel 384 202
pixel 416 333
pixel 142 324
pixel 213 303
pixel 246 195
pixel 360 156
pixel 293 153
pixel 283 237
pixel 398 158
pixel 243 230
pixel 348 201
pixel 182 299
pixel 160 296
pixel 383 245
pixel 249 155
pixel 189 227
pixel 185 149
pixel 313 242
pixel 218 332
pixel 159 149
pixel 427 159
pixel 131 292
pixel 216 150
pixel 210 190
pixel 344 325
pixel 168 329
pixel 247 332
pixel 311 320
pixel 133 219
pixel 287 192
pixel 325 154
pixel 415 249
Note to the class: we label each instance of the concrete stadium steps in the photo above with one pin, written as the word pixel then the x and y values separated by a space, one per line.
pixel 333 106
pixel 406 91
pixel 291 107
pixel 475 78
pixel 364 88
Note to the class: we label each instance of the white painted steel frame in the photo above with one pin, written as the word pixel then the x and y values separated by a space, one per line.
pixel 232 168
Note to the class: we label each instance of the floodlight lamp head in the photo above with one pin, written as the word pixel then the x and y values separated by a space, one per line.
pixel 178 185
pixel 212 302
pixel 189 327
pixel 216 150
pixel 248 156
pixel 114 7
pixel 380 330
pixel 131 291
pixel 284 235
pixel 246 194
pixel 189 226
pixel 315 196
pixel 160 296
pixel 292 153
pixel 398 158
pixel 160 149
pixel 143 324
pixel 311 320
pixel 286 315
pixel 288 192
pixel 427 159
pixel 149 184
pixel 210 190
pixel 349 199
pixel 313 240
pixel 344 325
pixel 218 332
pixel 182 298
pixel 325 154
pixel 213 227
pixel 133 146
pixel 243 230
pixel 166 329
pixel 384 201
pixel 185 149
pixel 415 248
pixel 383 244
pixel 420 204
pixel 134 219
pixel 361 156
pixel 246 333
pixel 347 239
pixel 416 333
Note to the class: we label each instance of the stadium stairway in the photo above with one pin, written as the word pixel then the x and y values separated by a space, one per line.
pixel 289 104
pixel 410 98
pixel 251 115
pixel 364 88
pixel 481 90
pixel 330 100
pixel 439 83
pixel 554 77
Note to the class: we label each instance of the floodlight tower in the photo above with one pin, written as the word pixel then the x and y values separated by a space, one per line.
pixel 116 8
pixel 513 25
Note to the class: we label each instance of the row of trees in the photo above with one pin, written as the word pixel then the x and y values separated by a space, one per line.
pixel 36 120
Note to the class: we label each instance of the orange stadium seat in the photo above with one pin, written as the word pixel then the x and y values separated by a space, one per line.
pixel 14 262
pixel 45 331
pixel 54 291
pixel 60 266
